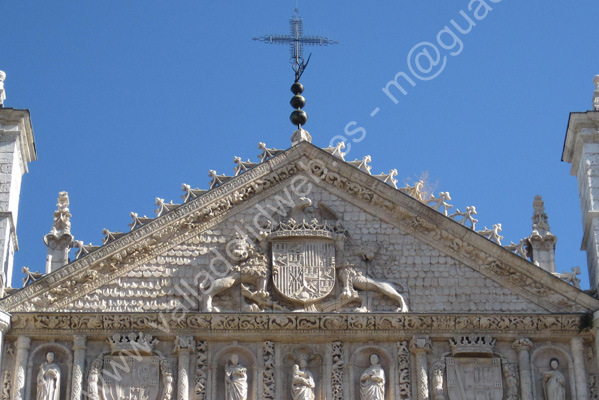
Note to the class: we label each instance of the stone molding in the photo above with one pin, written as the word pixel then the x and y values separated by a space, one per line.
pixel 118 257
pixel 192 323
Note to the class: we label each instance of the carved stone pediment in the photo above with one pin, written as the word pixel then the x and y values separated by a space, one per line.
pixel 96 276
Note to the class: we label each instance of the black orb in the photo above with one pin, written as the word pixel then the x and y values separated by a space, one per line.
pixel 298 117
pixel 298 101
pixel 297 88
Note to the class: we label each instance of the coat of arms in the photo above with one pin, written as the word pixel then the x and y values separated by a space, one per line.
pixel 303 271
pixel 474 378
pixel 137 381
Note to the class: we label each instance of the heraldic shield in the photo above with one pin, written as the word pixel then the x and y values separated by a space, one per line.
pixel 138 381
pixel 474 378
pixel 303 271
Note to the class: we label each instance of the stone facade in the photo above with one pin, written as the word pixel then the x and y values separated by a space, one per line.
pixel 301 277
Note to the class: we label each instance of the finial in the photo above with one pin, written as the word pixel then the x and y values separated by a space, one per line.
pixel 296 41
pixel 595 95
pixel 540 221
pixel 60 240
pixel 2 92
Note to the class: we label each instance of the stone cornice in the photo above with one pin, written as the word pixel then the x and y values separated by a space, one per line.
pixel 575 138
pixel 198 324
pixel 57 289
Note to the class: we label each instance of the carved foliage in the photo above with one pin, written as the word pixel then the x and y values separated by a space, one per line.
pixel 201 371
pixel 337 370
pixel 268 376
pixel 403 364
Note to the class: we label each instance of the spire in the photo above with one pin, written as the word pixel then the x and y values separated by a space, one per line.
pixel 541 240
pixel 59 241
pixel 296 41
pixel 2 92
pixel 595 94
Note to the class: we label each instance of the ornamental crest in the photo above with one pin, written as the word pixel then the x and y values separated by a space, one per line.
pixel 303 270
pixel 138 381
pixel 474 378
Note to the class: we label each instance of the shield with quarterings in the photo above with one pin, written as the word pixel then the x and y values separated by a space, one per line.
pixel 303 271
pixel 474 378
pixel 130 377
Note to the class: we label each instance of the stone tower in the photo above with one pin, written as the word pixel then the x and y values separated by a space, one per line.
pixel 581 149
pixel 17 149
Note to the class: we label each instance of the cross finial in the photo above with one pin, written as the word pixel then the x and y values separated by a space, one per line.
pixel 296 41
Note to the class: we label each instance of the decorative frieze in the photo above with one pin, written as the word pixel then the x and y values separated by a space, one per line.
pixel 285 321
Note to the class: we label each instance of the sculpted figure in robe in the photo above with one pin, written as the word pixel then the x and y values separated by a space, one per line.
pixel 554 382
pixel 302 382
pixel 236 380
pixel 372 381
pixel 48 379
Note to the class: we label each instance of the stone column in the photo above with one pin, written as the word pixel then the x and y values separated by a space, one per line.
pixel 183 348
pixel 4 327
pixel 421 346
pixel 582 391
pixel 18 383
pixel 523 347
pixel 78 367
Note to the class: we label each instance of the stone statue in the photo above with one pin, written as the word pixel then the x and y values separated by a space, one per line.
pixel 302 382
pixel 48 379
pixel 554 382
pixel 372 381
pixel 236 380
pixel 92 380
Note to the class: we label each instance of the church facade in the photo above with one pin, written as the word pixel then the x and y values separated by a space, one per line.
pixel 302 277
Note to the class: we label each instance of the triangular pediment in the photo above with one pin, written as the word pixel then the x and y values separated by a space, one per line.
pixel 435 263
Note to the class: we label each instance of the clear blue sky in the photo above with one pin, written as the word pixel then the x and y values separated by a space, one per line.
pixel 131 99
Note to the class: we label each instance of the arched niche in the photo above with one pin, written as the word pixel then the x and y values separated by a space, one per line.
pixel 246 358
pixel 360 361
pixel 63 357
pixel 540 363
pixel 315 366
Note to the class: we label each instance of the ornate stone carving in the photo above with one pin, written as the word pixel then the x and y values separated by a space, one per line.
pixel 403 370
pixel 6 385
pixel 554 382
pixel 250 267
pixel 476 378
pixel 362 164
pixel 440 203
pixel 510 375
pixel 438 372
pixel 372 380
pixel 471 344
pixel 236 381
pixel 78 365
pixel 337 370
pixel 268 375
pixel 570 277
pixel 183 346
pixel 201 371
pixel 492 234
pixel 48 379
pixel 421 346
pixel 593 392
pixel 466 217
pixel 132 343
pixel 30 277
pixel 302 380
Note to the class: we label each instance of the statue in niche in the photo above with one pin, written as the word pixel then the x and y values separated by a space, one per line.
pixel 236 380
pixel 372 381
pixel 554 382
pixel 48 379
pixel 302 381
pixel 92 380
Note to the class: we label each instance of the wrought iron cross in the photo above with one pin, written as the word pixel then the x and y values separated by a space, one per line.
pixel 296 41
